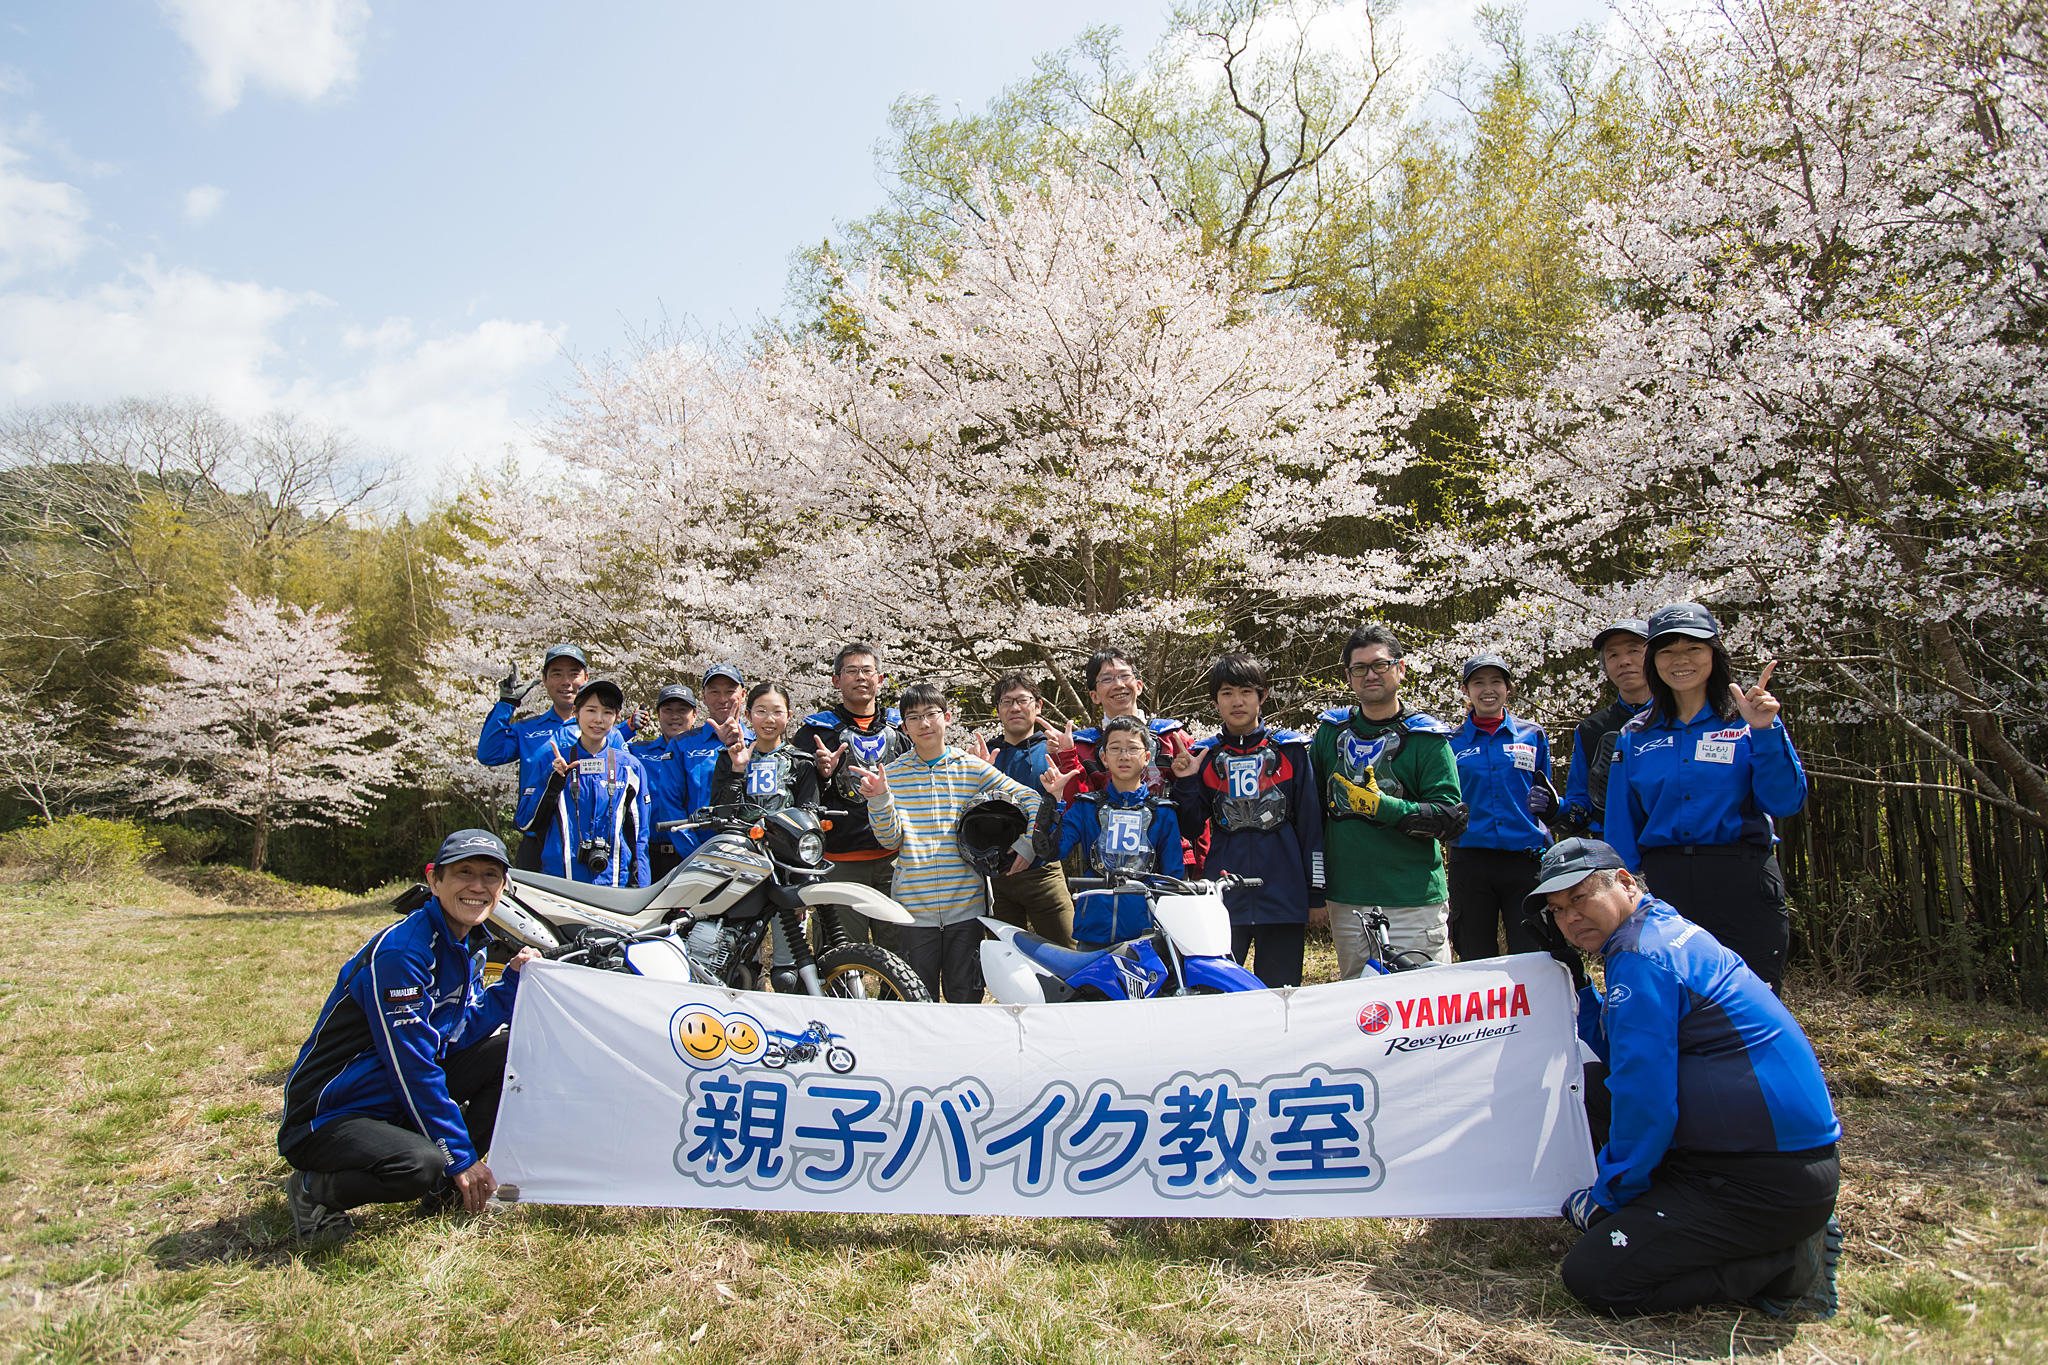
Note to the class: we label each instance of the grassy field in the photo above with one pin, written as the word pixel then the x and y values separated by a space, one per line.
pixel 145 1030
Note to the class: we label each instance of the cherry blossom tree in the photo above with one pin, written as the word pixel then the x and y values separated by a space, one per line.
pixel 265 723
pixel 1078 429
pixel 48 763
pixel 1819 400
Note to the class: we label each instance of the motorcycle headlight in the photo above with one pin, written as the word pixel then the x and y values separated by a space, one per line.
pixel 810 848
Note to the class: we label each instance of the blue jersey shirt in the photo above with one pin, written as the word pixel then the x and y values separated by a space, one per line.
pixel 1128 830
pixel 1585 782
pixel 1495 774
pixel 602 796
pixel 1701 1055
pixel 532 743
pixel 1256 801
pixel 412 995
pixel 678 770
pixel 1709 781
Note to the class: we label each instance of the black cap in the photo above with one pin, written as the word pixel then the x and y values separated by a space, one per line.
pixel 1627 625
pixel 676 692
pixel 724 671
pixel 606 691
pixel 1689 619
pixel 1479 661
pixel 471 843
pixel 564 652
pixel 1565 864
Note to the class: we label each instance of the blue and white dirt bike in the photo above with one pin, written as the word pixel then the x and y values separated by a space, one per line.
pixel 1187 953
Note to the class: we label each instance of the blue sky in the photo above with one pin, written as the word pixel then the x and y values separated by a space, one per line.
pixel 407 219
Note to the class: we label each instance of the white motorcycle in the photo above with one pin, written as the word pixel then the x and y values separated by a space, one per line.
pixel 1188 952
pixel 706 920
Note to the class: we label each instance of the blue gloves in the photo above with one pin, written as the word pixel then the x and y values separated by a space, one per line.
pixel 1582 1210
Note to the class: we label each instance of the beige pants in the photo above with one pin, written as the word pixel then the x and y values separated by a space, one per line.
pixel 1421 929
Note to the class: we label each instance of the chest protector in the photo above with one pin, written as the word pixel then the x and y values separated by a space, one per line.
pixel 1123 838
pixel 1246 784
pixel 867 751
pixel 769 777
pixel 1355 756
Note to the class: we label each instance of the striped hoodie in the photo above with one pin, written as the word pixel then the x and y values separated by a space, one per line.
pixel 916 819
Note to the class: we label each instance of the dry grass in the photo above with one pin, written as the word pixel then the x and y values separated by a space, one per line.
pixel 144 1031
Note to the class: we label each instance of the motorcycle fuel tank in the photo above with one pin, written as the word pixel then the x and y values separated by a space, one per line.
pixel 717 876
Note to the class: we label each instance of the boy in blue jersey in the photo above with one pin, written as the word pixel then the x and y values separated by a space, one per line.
pixel 595 805
pixel 395 1093
pixel 1504 777
pixel 1718 1180
pixel 1115 687
pixel 1123 827
pixel 675 787
pixel 533 743
pixel 1251 794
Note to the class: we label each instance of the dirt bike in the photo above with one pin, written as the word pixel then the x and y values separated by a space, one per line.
pixel 1188 952
pixel 784 1048
pixel 706 920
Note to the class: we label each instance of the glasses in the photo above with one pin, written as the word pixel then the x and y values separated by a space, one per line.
pixel 1019 700
pixel 1105 679
pixel 1378 668
pixel 860 671
pixel 921 717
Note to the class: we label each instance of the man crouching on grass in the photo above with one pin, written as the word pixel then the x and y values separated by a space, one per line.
pixel 1718 1180
pixel 394 1095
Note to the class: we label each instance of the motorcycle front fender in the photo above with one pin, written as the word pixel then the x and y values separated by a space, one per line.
pixel 1009 975
pixel 863 900
pixel 1219 974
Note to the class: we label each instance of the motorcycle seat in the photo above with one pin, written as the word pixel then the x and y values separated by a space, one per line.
pixel 1061 962
pixel 618 900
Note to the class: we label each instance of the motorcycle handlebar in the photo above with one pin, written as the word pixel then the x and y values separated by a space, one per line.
pixel 1160 881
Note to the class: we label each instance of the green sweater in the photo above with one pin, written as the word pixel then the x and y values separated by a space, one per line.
pixel 1369 862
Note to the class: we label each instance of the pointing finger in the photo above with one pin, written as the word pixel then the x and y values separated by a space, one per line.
pixel 1765 680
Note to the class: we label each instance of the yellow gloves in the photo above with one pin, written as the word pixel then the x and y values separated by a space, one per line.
pixel 1348 798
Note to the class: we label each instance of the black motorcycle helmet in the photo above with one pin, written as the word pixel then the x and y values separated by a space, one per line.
pixel 987 831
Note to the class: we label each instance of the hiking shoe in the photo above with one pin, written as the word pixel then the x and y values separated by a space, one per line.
pixel 313 1222
pixel 1811 1277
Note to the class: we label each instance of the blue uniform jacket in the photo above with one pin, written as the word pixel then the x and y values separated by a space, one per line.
pixel 1495 775
pixel 1287 858
pixel 1022 763
pixel 1593 747
pixel 1701 1056
pixel 1099 916
pixel 412 995
pixel 532 743
pixel 1709 781
pixel 603 796
pixel 678 773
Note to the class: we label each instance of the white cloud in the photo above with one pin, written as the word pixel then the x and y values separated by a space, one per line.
pixel 202 202
pixel 42 222
pixel 300 49
pixel 437 404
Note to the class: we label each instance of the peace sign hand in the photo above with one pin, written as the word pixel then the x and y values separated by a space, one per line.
pixel 874 783
pixel 1056 782
pixel 1757 705
pixel 740 754
pixel 1057 741
pixel 1185 760
pixel 827 762
pixel 978 746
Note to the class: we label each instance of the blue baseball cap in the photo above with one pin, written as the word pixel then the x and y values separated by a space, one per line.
pixel 471 843
pixel 564 651
pixel 1479 661
pixel 1688 619
pixel 676 692
pixel 1627 625
pixel 606 691
pixel 1566 864
pixel 724 671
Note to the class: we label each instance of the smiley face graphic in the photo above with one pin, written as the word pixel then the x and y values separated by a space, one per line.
pixel 744 1038
pixel 699 1034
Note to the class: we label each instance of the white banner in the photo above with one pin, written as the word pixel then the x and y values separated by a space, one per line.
pixel 1447 1092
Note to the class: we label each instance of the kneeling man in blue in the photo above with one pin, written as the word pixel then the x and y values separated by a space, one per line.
pixel 394 1095
pixel 1719 1177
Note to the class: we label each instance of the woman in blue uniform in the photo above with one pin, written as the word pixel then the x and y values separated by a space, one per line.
pixel 1504 776
pixel 1697 781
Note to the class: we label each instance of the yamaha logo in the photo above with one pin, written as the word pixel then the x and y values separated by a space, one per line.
pixel 1374 1017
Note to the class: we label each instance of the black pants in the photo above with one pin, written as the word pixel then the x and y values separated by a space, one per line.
pixel 1487 888
pixel 1734 892
pixel 360 1160
pixel 1275 950
pixel 949 953
pixel 662 859
pixel 1710 1229
pixel 527 856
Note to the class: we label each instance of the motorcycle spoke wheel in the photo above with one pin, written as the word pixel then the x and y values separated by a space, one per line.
pixel 862 971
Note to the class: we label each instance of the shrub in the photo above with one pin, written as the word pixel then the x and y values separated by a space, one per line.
pixel 78 848
pixel 184 847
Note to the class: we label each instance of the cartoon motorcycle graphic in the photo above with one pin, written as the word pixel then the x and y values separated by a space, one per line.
pixel 784 1048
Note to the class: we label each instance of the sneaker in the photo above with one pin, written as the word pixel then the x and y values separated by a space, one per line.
pixel 314 1222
